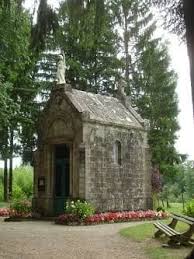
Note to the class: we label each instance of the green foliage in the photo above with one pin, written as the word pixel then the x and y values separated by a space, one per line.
pixel 17 90
pixel 1 175
pixel 22 182
pixel 189 210
pixel 150 82
pixel 46 21
pixel 1 185
pixel 189 180
pixel 21 206
pixel 82 209
pixel 17 193
pixel 132 17
pixel 179 186
pixel 1 192
pixel 86 34
pixel 157 101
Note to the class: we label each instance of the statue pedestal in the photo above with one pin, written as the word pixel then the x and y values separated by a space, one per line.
pixel 64 87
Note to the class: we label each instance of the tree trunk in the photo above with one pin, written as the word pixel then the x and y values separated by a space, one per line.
pixel 126 47
pixel 167 203
pixel 5 181
pixel 11 164
pixel 188 6
pixel 183 201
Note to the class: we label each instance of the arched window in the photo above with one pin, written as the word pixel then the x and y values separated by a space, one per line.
pixel 117 152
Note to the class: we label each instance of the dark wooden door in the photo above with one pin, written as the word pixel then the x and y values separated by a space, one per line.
pixel 62 177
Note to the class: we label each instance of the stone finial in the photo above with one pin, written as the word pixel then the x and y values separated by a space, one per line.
pixel 121 88
pixel 120 85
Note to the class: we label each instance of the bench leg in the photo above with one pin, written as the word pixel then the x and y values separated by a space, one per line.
pixel 185 241
pixel 158 233
pixel 173 243
pixel 173 223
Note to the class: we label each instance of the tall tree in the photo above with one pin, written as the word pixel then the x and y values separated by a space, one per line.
pixel 14 69
pixel 156 99
pixel 7 110
pixel 46 22
pixel 180 19
pixel 131 17
pixel 87 36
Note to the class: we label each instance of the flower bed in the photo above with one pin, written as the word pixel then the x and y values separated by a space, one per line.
pixel 4 212
pixel 111 217
pixel 19 209
pixel 16 214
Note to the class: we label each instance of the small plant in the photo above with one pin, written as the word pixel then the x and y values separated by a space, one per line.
pixel 82 209
pixel 160 209
pixel 20 208
pixel 189 210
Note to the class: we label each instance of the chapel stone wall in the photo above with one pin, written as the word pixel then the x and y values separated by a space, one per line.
pixel 108 185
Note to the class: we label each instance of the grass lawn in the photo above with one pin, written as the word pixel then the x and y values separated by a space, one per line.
pixel 175 207
pixel 4 204
pixel 144 233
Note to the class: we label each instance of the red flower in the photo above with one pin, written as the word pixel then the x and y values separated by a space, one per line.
pixel 112 217
pixel 4 212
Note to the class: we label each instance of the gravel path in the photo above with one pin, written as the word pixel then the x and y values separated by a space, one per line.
pixel 45 240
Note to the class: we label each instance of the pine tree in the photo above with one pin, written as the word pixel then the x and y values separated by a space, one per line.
pixel 15 70
pixel 149 81
pixel 87 37
pixel 156 98
pixel 132 16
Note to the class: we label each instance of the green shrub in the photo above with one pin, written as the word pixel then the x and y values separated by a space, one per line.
pixel 160 209
pixel 21 207
pixel 22 182
pixel 17 193
pixel 82 209
pixel 189 210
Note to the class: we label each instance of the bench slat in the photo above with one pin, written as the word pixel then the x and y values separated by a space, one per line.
pixel 166 229
pixel 180 218
pixel 184 216
pixel 176 238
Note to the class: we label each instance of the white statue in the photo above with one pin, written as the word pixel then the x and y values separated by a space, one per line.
pixel 61 68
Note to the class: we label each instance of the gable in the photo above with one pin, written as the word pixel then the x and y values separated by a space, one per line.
pixel 59 118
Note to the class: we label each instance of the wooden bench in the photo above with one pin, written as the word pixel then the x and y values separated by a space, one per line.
pixel 175 237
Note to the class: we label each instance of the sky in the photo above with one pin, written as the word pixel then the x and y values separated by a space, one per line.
pixel 180 63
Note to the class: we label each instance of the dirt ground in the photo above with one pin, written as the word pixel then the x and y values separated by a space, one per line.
pixel 40 239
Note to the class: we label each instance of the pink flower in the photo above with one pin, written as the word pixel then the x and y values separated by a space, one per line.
pixel 122 216
pixel 4 212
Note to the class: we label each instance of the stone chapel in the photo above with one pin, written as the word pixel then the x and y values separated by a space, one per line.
pixel 92 147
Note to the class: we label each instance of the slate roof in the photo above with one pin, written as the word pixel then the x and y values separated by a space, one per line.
pixel 104 109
